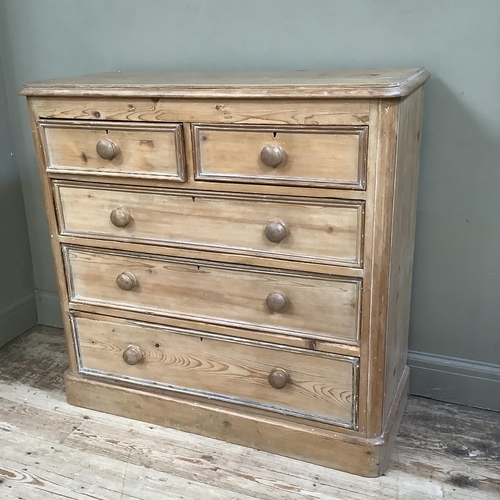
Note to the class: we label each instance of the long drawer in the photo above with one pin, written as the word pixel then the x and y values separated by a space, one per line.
pixel 138 150
pixel 302 156
pixel 318 387
pixel 314 306
pixel 294 229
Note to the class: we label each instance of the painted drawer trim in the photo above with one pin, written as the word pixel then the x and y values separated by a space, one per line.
pixel 157 352
pixel 258 173
pixel 221 294
pixel 216 222
pixel 111 168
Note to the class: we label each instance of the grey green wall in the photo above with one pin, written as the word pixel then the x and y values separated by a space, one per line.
pixel 17 298
pixel 455 325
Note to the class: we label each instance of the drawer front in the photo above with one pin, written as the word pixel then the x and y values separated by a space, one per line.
pixel 291 303
pixel 114 149
pixel 316 387
pixel 304 156
pixel 310 230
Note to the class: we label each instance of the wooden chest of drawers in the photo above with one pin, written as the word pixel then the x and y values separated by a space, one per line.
pixel 234 251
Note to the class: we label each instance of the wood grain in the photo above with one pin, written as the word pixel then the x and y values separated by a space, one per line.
pixel 145 150
pixel 241 111
pixel 324 84
pixel 234 425
pixel 37 463
pixel 43 350
pixel 326 231
pixel 320 387
pixel 186 327
pixel 319 307
pixel 402 242
pixel 443 451
pixel 230 258
pixel 258 335
pixel 313 156
pixel 324 447
pixel 378 226
pixel 213 186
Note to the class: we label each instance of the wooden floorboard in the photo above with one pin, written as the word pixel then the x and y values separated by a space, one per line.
pixel 49 449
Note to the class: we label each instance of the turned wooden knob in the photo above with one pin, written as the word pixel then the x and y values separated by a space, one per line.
pixel 120 217
pixel 126 281
pixel 272 155
pixel 276 302
pixel 132 355
pixel 276 231
pixel 107 149
pixel 278 378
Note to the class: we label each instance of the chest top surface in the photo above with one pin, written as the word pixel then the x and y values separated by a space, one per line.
pixel 366 83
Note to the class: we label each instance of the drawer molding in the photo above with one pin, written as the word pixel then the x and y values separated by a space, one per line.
pixel 234 171
pixel 163 282
pixel 132 136
pixel 333 347
pixel 184 252
pixel 160 330
pixel 217 222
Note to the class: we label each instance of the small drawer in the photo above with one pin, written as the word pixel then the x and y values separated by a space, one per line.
pixel 310 230
pixel 114 149
pixel 320 387
pixel 315 306
pixel 333 157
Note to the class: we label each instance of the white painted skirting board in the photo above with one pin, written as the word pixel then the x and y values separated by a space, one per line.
pixel 456 380
pixel 49 309
pixel 443 378
pixel 17 317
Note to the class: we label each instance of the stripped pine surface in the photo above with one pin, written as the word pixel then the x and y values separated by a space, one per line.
pixel 49 449
pixel 325 231
pixel 320 306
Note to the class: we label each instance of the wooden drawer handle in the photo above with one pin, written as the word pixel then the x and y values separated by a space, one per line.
pixel 272 155
pixel 132 355
pixel 278 378
pixel 276 302
pixel 276 231
pixel 107 149
pixel 120 217
pixel 126 281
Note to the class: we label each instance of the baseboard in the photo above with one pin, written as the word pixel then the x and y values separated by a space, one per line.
pixel 17 317
pixel 330 447
pixel 455 380
pixel 48 308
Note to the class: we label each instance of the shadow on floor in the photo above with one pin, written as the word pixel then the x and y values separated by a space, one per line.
pixel 37 358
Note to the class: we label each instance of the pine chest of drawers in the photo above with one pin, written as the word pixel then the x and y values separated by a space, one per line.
pixel 234 251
